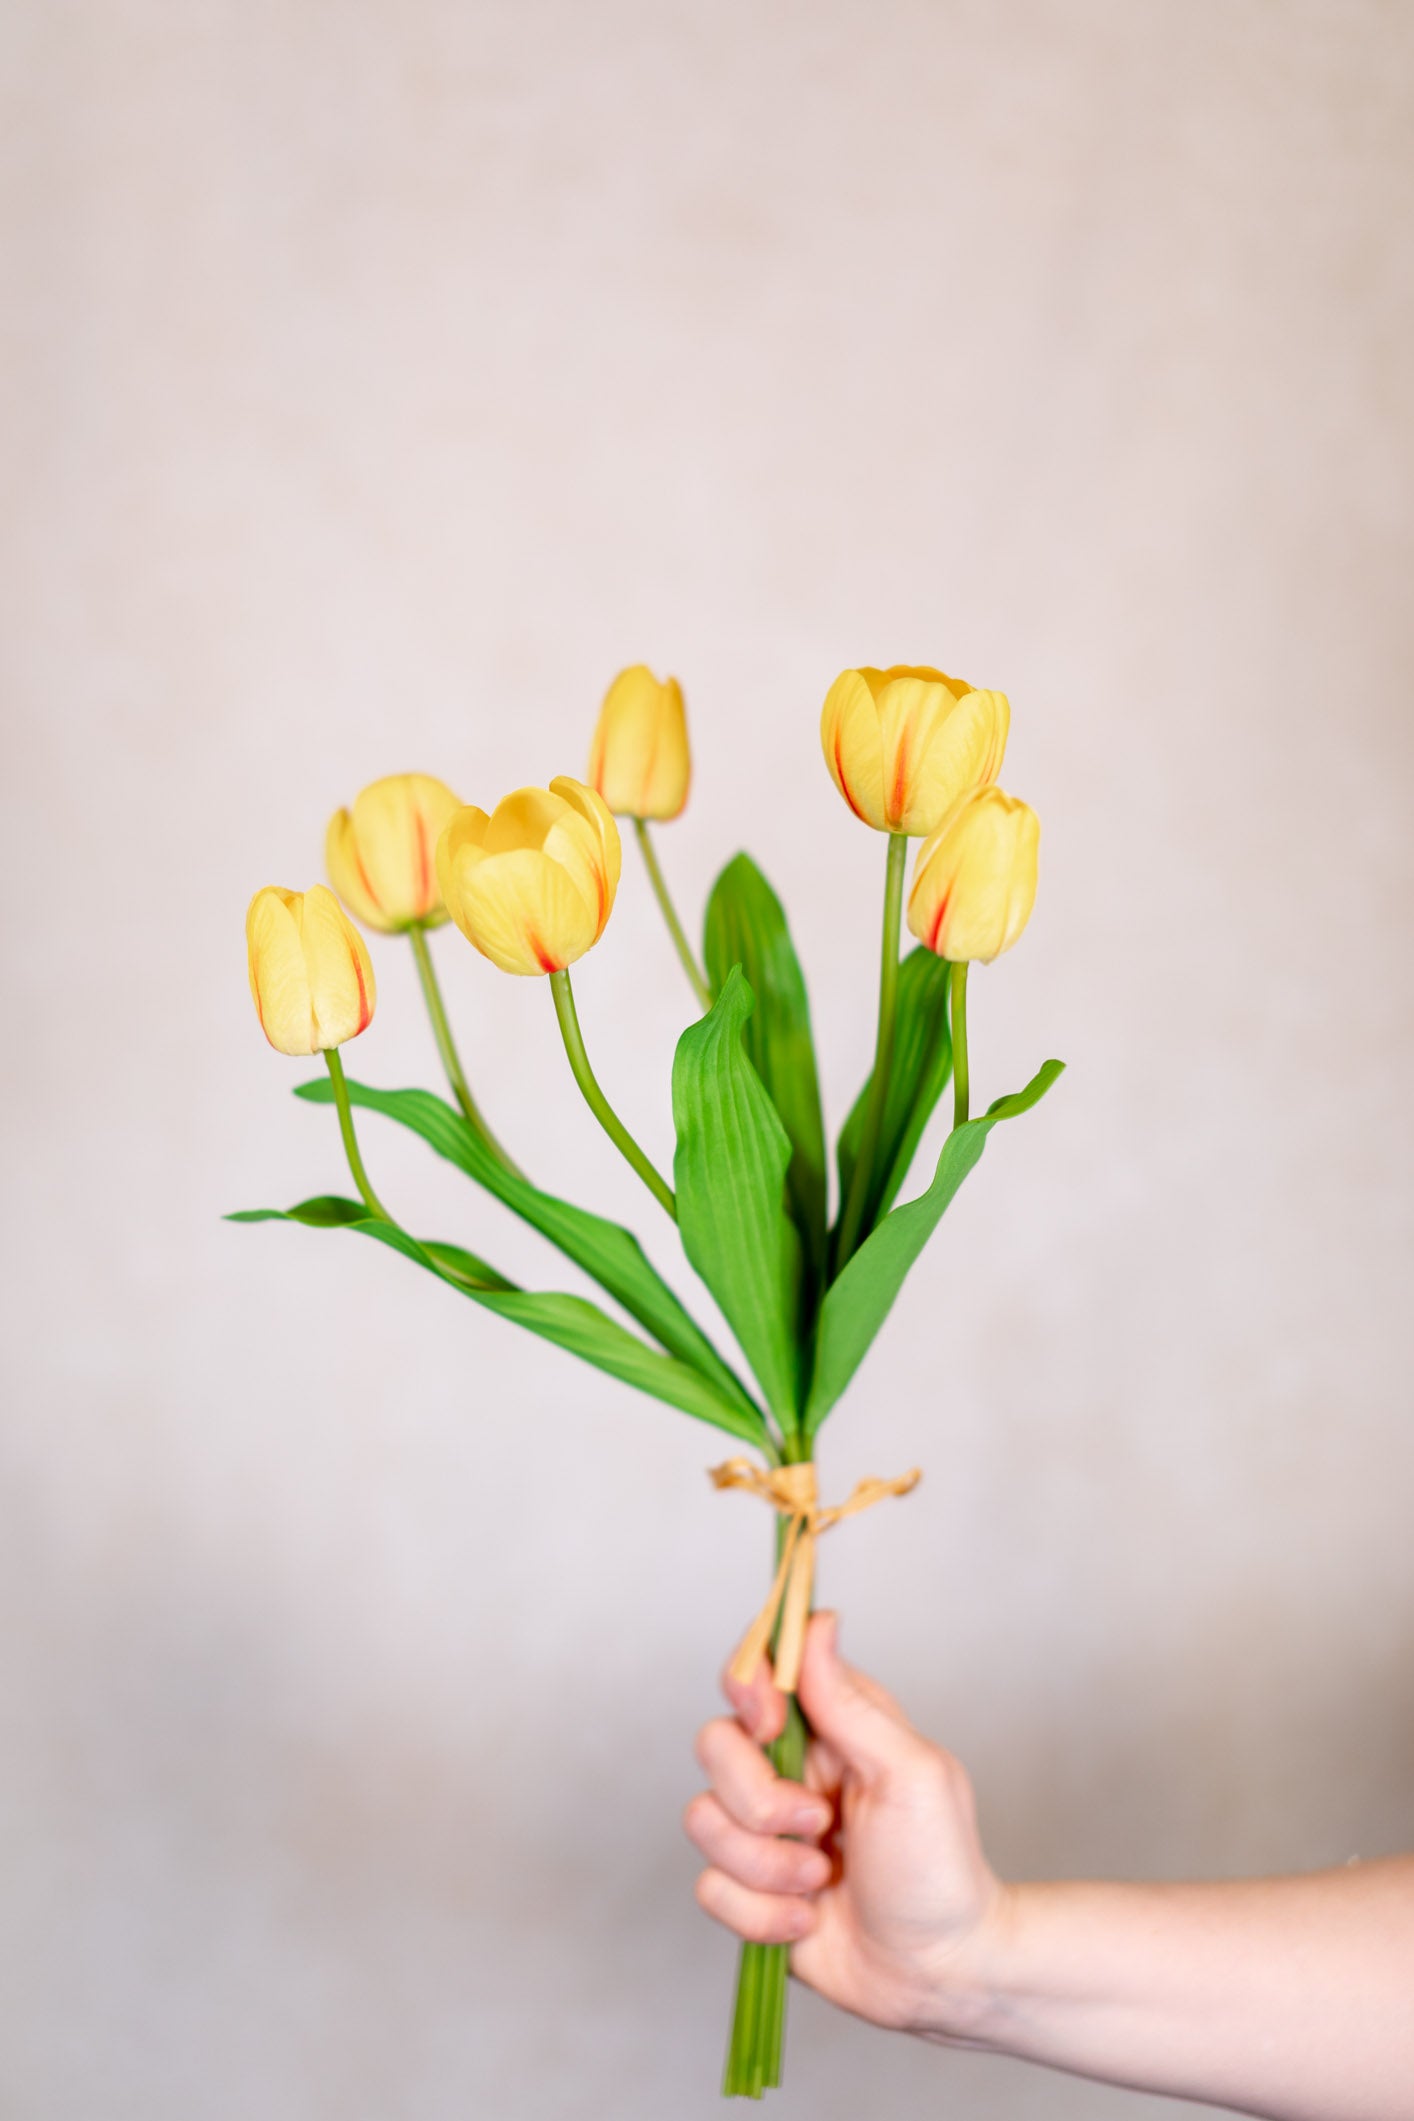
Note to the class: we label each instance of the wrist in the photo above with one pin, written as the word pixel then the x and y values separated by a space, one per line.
pixel 968 1989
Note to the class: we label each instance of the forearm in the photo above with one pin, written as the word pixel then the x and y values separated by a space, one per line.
pixel 1291 1998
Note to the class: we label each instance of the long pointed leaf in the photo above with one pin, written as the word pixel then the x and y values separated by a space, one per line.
pixel 922 1063
pixel 571 1322
pixel 746 925
pixel 331 1211
pixel 857 1304
pixel 730 1171
pixel 605 1250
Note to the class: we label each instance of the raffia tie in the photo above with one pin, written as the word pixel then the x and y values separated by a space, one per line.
pixel 792 1491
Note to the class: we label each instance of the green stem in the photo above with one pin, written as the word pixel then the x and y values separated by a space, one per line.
pixel 957 1009
pixel 594 1097
pixel 862 1180
pixel 446 1047
pixel 675 927
pixel 371 1201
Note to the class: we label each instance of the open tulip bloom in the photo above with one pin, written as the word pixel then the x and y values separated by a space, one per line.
pixel 531 885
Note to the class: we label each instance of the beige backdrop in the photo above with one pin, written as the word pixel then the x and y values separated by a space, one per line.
pixel 380 379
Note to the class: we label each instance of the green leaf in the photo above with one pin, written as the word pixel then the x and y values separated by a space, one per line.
pixel 746 926
pixel 605 1250
pixel 330 1211
pixel 857 1304
pixel 730 1173
pixel 922 1063
pixel 327 1211
pixel 571 1322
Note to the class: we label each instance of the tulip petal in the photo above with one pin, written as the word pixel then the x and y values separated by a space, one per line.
pixel 913 713
pixel 396 825
pixel 463 837
pixel 959 750
pixel 596 835
pixel 347 874
pixel 524 818
pixel 876 680
pixel 522 910
pixel 310 974
pixel 639 761
pixel 975 881
pixel 849 736
pixel 340 972
pixel 279 980
pixel 532 885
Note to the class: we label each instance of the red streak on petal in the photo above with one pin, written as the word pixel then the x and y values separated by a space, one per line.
pixel 939 917
pixel 844 784
pixel 363 874
pixel 424 876
pixel 365 1010
pixel 541 955
pixel 900 792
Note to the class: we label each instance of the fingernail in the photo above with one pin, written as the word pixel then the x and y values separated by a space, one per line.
pixel 809 1819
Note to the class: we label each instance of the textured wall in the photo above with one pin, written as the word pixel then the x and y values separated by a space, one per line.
pixel 379 379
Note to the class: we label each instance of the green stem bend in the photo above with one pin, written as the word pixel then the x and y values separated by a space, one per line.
pixel 370 1199
pixel 446 1047
pixel 595 1099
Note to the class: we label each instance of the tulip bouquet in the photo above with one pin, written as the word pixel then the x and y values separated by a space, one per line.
pixel 531 885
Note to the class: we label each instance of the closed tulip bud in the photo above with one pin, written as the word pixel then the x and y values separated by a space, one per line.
pixel 975 880
pixel 639 761
pixel 903 745
pixel 382 854
pixel 310 975
pixel 533 884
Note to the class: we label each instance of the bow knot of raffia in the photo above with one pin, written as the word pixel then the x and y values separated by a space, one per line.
pixel 792 1491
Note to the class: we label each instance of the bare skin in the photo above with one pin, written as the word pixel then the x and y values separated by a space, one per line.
pixel 1288 1998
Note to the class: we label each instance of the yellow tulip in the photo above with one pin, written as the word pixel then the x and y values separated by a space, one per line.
pixel 639 761
pixel 381 855
pixel 904 744
pixel 310 974
pixel 975 880
pixel 532 886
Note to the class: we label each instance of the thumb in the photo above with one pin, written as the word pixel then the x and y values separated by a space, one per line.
pixel 850 1711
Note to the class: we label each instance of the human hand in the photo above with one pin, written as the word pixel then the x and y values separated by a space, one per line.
pixel 882 1891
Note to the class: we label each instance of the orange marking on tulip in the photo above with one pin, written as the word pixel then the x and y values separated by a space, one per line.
pixel 939 917
pixel 541 955
pixel 363 874
pixel 840 777
pixel 424 876
pixel 365 1011
pixel 900 791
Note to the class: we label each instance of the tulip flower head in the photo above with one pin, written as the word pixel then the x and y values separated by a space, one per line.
pixel 381 855
pixel 639 761
pixel 974 883
pixel 533 884
pixel 903 745
pixel 310 974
